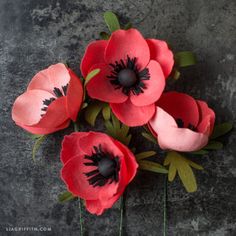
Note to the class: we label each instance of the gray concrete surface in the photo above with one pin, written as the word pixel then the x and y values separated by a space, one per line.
pixel 35 34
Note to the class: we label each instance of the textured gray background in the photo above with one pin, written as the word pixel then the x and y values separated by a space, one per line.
pixel 35 34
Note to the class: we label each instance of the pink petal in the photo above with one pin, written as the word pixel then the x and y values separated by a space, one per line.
pixel 160 52
pixel 35 129
pixel 55 76
pixel 180 106
pixel 132 115
pixel 74 96
pixel 100 87
pixel 94 54
pixel 27 107
pixel 154 86
pixel 125 43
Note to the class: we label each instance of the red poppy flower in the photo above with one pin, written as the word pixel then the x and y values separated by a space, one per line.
pixel 182 123
pixel 132 75
pixel 97 168
pixel 53 97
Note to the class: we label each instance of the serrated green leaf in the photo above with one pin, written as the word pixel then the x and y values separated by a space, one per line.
pixel 90 75
pixel 185 58
pixel 143 155
pixel 65 196
pixel 200 152
pixel 104 36
pixel 111 21
pixel 214 145
pixel 221 129
pixel 152 166
pixel 106 112
pixel 179 164
pixel 149 137
pixel 92 111
pixel 128 26
pixel 37 144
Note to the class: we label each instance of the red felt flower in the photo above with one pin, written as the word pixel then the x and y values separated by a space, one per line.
pixel 182 123
pixel 97 168
pixel 53 97
pixel 132 74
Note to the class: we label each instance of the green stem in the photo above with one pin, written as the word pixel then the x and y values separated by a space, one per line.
pixel 121 215
pixel 81 219
pixel 165 207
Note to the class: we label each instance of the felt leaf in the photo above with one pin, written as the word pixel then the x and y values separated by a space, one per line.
pixel 111 21
pixel 106 112
pixel 221 129
pixel 200 152
pixel 214 145
pixel 90 75
pixel 149 137
pixel 128 26
pixel 175 74
pixel 92 111
pixel 185 58
pixel 104 35
pixel 65 197
pixel 37 144
pixel 143 155
pixel 152 166
pixel 179 164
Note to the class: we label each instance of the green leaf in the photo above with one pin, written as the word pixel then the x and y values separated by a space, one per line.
pixel 149 137
pixel 175 74
pixel 35 136
pixel 106 112
pixel 185 58
pixel 214 145
pixel 179 164
pixel 128 26
pixel 143 155
pixel 104 35
pixel 152 166
pixel 221 129
pixel 85 104
pixel 37 144
pixel 111 21
pixel 90 75
pixel 200 152
pixel 92 111
pixel 65 196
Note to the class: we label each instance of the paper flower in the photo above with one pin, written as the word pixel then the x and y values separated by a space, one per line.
pixel 96 168
pixel 182 123
pixel 53 97
pixel 132 76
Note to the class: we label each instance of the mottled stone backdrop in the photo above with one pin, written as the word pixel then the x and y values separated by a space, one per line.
pixel 35 34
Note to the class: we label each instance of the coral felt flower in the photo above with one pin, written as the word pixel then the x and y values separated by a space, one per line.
pixel 182 123
pixel 52 99
pixel 97 168
pixel 132 74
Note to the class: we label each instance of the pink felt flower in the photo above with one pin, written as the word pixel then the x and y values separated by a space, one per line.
pixel 182 123
pixel 52 99
pixel 97 168
pixel 132 74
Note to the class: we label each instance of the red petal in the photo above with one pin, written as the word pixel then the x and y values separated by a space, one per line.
pixel 73 175
pixel 132 115
pixel 27 107
pixel 74 96
pixel 71 146
pixel 180 106
pixel 100 87
pixel 94 54
pixel 55 76
pixel 125 43
pixel 154 86
pixel 160 52
pixel 38 130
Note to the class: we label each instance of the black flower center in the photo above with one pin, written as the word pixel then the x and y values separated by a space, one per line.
pixel 107 169
pixel 58 93
pixel 180 124
pixel 127 76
